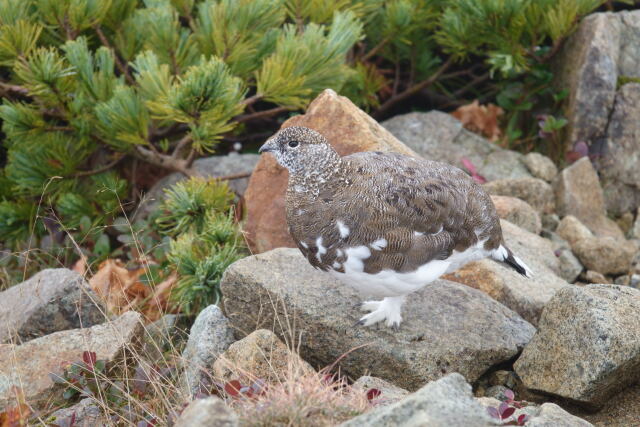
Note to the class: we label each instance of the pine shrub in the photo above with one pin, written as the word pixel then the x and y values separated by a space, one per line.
pixel 95 89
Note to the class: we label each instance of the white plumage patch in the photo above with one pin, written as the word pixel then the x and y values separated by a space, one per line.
pixel 379 244
pixel 343 229
pixel 321 249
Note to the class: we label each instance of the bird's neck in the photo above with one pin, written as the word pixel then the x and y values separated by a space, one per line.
pixel 309 180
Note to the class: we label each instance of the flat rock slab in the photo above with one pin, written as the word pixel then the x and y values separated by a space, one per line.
pixel 448 327
pixel 525 296
pixel 28 365
pixel 442 403
pixel 50 301
pixel 587 347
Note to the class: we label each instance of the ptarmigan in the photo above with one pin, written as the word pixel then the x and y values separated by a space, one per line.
pixel 384 223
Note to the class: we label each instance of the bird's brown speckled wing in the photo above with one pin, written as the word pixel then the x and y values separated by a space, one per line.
pixel 413 210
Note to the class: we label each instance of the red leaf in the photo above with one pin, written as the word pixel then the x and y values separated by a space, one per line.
pixel 233 388
pixel 493 412
pixel 373 393
pixel 523 418
pixel 90 358
pixel 509 394
pixel 508 412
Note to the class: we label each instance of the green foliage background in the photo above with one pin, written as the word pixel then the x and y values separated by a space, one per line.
pixel 92 88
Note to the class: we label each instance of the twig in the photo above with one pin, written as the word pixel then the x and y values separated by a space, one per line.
pixel 375 49
pixel 391 102
pixel 260 114
pixel 472 83
pixel 100 169
pixel 252 99
pixel 186 140
pixel 122 67
pixel 163 160
pixel 233 176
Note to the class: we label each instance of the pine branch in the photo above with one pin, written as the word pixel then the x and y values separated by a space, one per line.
pixel 376 49
pixel 164 161
pixel 101 169
pixel 391 102
pixel 186 140
pixel 252 99
pixel 233 176
pixel 121 66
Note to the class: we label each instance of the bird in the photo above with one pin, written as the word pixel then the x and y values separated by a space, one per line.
pixel 384 223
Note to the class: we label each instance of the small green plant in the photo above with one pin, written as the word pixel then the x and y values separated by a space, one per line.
pixel 197 215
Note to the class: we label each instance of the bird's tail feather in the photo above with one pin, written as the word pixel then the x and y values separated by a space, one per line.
pixel 504 254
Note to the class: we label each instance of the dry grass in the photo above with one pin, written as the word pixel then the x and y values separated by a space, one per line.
pixel 146 385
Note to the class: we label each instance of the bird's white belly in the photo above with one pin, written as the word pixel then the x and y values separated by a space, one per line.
pixel 389 283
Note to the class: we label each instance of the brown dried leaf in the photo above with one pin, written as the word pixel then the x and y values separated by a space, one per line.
pixel 482 119
pixel 119 287
pixel 16 416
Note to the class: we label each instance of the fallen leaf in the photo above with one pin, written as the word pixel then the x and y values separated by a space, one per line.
pixel 118 287
pixel 80 266
pixel 469 166
pixel 18 415
pixel 481 119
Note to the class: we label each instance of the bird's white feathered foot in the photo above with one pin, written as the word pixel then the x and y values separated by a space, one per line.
pixel 388 309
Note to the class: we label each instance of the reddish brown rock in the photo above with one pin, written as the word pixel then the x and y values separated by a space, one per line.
pixel 348 129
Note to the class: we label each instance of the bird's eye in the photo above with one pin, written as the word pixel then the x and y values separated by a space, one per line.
pixel 293 144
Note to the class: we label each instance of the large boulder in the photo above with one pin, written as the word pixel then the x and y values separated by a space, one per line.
pixel 587 67
pixel 587 347
pixel 28 366
pixel 593 62
pixel 439 136
pixel 578 193
pixel 448 327
pixel 347 128
pixel 620 172
pixel 445 402
pixel 50 301
pixel 525 296
pixel 210 336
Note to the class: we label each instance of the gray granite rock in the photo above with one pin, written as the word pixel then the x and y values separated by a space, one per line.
pixel 525 296
pixel 85 413
pixel 210 336
pixel 447 327
pixel 578 193
pixel 619 169
pixel 540 166
pixel 534 191
pixel 518 212
pixel 388 392
pixel 587 347
pixel 442 403
pixel 439 136
pixel 606 255
pixel 50 301
pixel 545 415
pixel 570 265
pixel 28 365
pixel 587 66
pixel 208 412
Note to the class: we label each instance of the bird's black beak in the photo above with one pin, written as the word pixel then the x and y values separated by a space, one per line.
pixel 268 146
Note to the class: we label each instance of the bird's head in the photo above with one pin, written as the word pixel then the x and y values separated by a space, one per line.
pixel 300 149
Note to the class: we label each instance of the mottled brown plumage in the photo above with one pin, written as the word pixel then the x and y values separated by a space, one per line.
pixel 384 222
